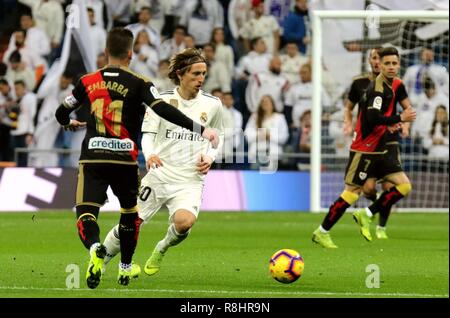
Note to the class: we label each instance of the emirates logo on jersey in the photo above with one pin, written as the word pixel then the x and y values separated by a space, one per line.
pixel 203 117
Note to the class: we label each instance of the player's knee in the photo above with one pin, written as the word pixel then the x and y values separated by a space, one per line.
pixel 349 197
pixel 369 192
pixel 184 225
pixel 404 188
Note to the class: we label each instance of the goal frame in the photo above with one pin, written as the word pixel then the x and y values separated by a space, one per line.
pixel 316 142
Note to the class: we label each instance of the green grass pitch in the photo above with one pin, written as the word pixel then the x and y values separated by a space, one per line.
pixel 227 256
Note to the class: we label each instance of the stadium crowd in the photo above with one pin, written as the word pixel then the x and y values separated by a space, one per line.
pixel 259 66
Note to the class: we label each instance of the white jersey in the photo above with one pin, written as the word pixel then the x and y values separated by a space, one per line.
pixel 178 148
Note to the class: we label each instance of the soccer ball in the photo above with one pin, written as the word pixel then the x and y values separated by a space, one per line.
pixel 286 266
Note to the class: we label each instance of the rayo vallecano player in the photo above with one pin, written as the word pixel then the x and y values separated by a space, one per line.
pixel 177 159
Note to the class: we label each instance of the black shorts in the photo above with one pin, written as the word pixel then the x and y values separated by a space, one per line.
pixel 94 179
pixel 360 167
pixel 389 163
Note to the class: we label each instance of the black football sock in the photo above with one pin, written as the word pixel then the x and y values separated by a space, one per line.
pixel 128 233
pixel 88 230
pixel 384 215
pixel 385 202
pixel 337 209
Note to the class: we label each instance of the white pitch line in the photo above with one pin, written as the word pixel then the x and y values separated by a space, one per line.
pixel 115 290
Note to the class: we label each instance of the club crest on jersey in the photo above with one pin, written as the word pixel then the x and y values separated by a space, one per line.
pixel 362 175
pixel 174 103
pixel 203 117
pixel 377 102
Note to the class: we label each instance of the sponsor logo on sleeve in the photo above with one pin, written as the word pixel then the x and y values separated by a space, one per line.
pixel 70 101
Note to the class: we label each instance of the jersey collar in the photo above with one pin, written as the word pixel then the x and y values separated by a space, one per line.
pixel 186 102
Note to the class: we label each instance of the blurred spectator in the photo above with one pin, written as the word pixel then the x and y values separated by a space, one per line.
pixel 144 24
pixel 299 97
pixel 296 26
pixel 304 144
pixel 261 25
pixel 157 12
pixel 100 13
pixel 173 45
pixel 341 141
pixel 228 102
pixel 291 63
pixel 239 12
pixel 119 12
pixel 97 33
pixel 189 41
pixel 22 135
pixel 145 56
pixel 217 75
pixel 225 154
pixel 223 52
pixel 162 81
pixel 200 18
pixel 47 128
pixel 36 39
pixel 102 61
pixel 437 139
pixel 267 83
pixel 36 63
pixel 6 101
pixel 256 61
pixel 173 9
pixel 3 69
pixel 279 9
pixel 49 16
pixel 415 75
pixel 426 105
pixel 266 133
pixel 19 71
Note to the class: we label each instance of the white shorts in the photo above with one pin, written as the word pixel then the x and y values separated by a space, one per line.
pixel 154 194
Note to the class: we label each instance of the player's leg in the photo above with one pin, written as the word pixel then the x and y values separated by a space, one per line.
pixel 124 181
pixel 148 205
pixel 356 174
pixel 402 186
pixel 369 189
pixel 348 197
pixel 390 169
pixel 368 171
pixel 391 165
pixel 384 215
pixel 183 211
pixel 91 194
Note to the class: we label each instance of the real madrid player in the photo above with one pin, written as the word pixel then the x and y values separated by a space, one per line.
pixel 177 159
pixel 368 151
pixel 117 99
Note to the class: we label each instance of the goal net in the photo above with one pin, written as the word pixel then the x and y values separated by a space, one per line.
pixel 342 41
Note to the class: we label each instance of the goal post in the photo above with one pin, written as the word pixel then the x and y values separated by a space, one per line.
pixel 317 183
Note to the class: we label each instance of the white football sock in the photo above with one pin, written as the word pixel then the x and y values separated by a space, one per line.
pixel 112 244
pixel 322 230
pixel 94 247
pixel 172 238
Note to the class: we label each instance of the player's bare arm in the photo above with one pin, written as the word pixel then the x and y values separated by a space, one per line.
pixel 348 117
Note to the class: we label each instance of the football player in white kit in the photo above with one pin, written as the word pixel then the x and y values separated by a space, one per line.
pixel 177 159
